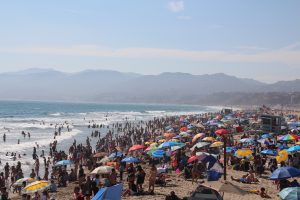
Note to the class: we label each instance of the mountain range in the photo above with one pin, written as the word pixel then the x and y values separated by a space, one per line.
pixel 117 87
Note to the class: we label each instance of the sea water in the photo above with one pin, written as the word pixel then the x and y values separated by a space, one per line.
pixel 39 118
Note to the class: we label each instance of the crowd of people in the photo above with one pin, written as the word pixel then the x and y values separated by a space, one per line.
pixel 115 145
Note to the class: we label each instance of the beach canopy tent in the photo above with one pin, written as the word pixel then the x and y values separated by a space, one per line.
pixel 285 173
pixel 203 192
pixel 290 193
pixel 109 193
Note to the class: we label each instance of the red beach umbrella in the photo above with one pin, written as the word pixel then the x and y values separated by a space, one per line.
pixel 136 147
pixel 222 132
pixel 193 158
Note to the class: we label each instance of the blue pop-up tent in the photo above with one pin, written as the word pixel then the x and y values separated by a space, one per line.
pixel 110 193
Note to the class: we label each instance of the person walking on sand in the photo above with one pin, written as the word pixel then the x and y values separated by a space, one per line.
pixel 152 178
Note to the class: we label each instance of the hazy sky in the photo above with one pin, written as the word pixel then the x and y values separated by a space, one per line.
pixel 255 39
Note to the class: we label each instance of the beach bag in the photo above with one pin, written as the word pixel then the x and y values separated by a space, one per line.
pixel 213 175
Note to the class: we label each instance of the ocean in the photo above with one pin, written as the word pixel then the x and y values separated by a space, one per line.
pixel 39 118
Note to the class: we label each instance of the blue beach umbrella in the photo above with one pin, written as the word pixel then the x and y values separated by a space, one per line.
pixel 169 144
pixel 158 153
pixel 265 136
pixel 285 173
pixel 294 148
pixel 282 146
pixel 290 193
pixel 230 149
pixel 64 163
pixel 247 140
pixel 269 152
pixel 115 155
pixel 130 160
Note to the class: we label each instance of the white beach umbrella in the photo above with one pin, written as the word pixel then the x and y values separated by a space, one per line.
pixel 102 170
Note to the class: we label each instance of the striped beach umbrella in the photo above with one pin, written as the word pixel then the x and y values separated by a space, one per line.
pixel 35 187
pixel 26 179
pixel 290 193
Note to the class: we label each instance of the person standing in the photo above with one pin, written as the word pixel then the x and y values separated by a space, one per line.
pixel 152 178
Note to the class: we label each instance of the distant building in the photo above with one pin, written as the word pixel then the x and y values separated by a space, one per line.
pixel 271 123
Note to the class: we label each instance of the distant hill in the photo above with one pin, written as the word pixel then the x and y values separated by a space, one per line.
pixel 113 86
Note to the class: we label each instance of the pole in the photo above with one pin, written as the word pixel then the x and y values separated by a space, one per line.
pixel 225 162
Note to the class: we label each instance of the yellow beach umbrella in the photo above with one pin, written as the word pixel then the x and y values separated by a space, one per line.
pixel 209 139
pixel 197 136
pixel 147 143
pixel 217 144
pixel 35 187
pixel 282 156
pixel 161 141
pixel 241 153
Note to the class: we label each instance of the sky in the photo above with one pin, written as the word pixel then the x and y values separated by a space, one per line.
pixel 250 39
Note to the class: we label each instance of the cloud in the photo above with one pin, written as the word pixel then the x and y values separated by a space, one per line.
pixel 252 48
pixel 184 17
pixel 176 6
pixel 285 55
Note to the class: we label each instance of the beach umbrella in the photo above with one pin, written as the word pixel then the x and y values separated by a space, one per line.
pixel 217 144
pixel 193 158
pixel 174 148
pixel 151 150
pixel 263 141
pixel 35 187
pixel 198 136
pixel 158 153
pixel 230 188
pixel 282 156
pixel 116 155
pixel 161 141
pixel 200 145
pixel 169 144
pixel 20 181
pixel 265 136
pixel 99 154
pixel 288 137
pixel 136 147
pixel 229 149
pixel 209 139
pixel 294 148
pixel 290 193
pixel 184 134
pixel 247 140
pixel 130 160
pixel 282 146
pixel 222 132
pixel 64 163
pixel 284 173
pixel 183 129
pixel 102 170
pixel 169 135
pixel 104 160
pixel 269 152
pixel 241 153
